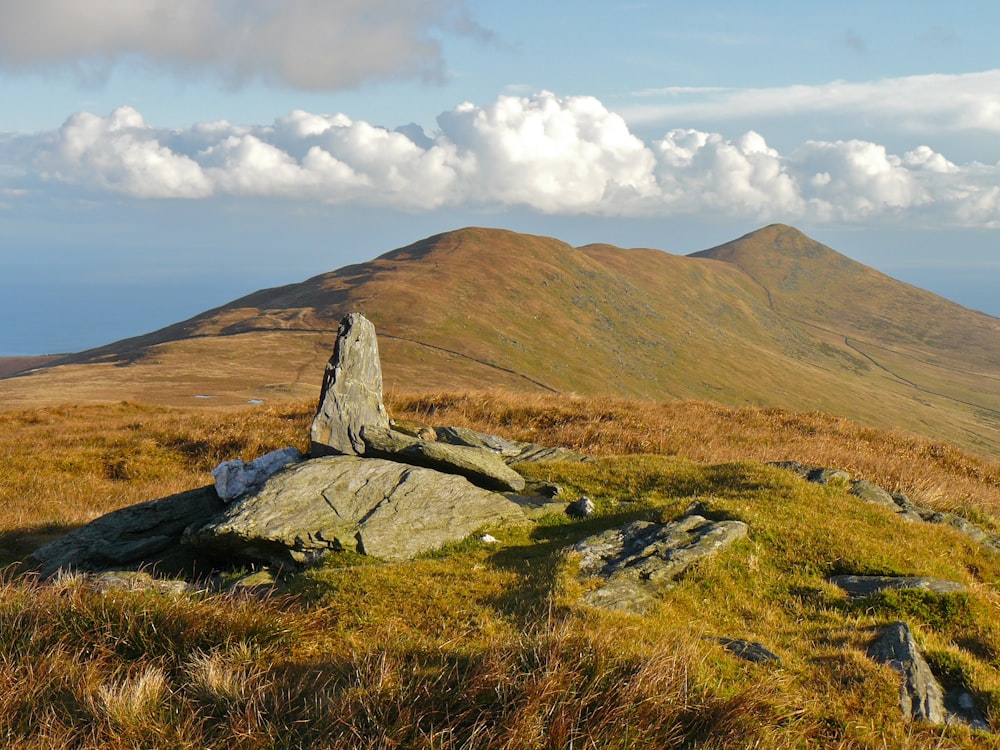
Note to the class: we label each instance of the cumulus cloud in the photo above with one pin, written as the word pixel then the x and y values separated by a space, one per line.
pixel 554 155
pixel 307 44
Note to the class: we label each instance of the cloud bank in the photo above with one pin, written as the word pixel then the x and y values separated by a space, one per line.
pixel 917 104
pixel 306 44
pixel 553 155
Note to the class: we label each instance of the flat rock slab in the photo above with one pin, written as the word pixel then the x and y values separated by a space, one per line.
pixel 867 585
pixel 636 560
pixel 920 694
pixel 368 505
pixel 351 394
pixel 480 466
pixel 143 534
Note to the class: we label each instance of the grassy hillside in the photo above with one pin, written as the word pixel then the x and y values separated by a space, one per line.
pixel 772 319
pixel 488 645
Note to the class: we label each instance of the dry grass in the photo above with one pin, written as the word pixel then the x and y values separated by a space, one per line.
pixel 487 646
pixel 935 473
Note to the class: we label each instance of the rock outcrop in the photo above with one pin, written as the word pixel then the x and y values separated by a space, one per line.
pixel 335 503
pixel 634 561
pixel 896 502
pixel 351 395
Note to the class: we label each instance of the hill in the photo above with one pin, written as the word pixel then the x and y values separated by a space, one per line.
pixel 773 318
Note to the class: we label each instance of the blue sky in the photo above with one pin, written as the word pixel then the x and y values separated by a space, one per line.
pixel 161 157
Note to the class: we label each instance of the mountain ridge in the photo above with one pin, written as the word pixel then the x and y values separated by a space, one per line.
pixel 772 318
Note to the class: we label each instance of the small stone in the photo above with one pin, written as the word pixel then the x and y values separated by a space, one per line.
pixel 582 508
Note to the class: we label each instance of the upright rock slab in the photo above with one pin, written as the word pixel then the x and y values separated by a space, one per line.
pixel 351 396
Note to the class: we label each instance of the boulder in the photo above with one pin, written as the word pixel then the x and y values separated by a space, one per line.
pixel 375 507
pixel 920 694
pixel 859 586
pixel 147 534
pixel 480 466
pixel 235 478
pixel 632 562
pixel 351 395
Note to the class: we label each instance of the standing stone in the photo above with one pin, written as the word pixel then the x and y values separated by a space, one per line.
pixel 351 396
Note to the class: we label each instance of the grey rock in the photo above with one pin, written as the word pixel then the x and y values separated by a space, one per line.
pixel 351 395
pixel 235 478
pixel 582 508
pixel 920 694
pixel 372 506
pixel 513 451
pixel 636 560
pixel 144 534
pixel 751 651
pixel 859 586
pixel 962 706
pixel 473 439
pixel 535 506
pixel 480 466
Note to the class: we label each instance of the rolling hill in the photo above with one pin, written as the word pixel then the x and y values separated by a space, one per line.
pixel 770 319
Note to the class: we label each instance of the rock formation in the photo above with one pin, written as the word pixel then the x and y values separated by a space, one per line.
pixel 421 493
pixel 351 395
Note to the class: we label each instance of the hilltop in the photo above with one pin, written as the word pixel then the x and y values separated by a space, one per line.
pixel 772 319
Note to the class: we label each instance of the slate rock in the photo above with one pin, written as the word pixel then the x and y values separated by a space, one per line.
pixel 920 694
pixel 751 651
pixel 859 586
pixel 143 534
pixel 480 466
pixel 512 451
pixel 375 507
pixel 351 395
pixel 634 561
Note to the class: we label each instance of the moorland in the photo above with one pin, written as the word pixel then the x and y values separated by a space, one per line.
pixel 682 377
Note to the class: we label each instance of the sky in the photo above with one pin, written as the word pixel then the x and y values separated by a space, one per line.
pixel 162 157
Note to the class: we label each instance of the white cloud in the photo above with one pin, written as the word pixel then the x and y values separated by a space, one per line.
pixel 916 104
pixel 308 44
pixel 550 154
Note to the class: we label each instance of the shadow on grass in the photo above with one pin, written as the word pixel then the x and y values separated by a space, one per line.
pixel 536 563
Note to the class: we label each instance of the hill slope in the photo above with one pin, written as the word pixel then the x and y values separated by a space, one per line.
pixel 772 318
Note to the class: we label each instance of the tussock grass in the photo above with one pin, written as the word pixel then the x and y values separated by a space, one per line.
pixel 487 645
